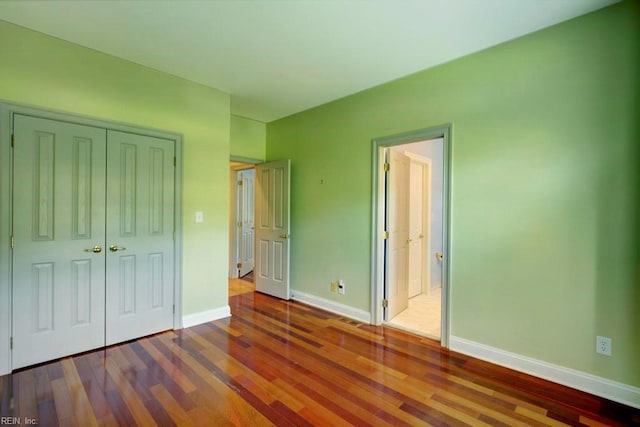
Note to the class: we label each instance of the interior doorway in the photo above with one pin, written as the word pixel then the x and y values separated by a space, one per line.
pixel 259 220
pixel 422 270
pixel 241 219
pixel 411 188
pixel 242 228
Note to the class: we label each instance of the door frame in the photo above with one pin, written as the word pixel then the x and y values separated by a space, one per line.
pixel 7 110
pixel 233 206
pixel 377 223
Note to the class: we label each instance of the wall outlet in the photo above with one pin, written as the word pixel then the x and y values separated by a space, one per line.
pixel 341 287
pixel 334 286
pixel 603 346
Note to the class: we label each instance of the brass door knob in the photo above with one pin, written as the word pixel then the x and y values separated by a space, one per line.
pixel 116 248
pixel 439 256
pixel 96 249
pixel 284 236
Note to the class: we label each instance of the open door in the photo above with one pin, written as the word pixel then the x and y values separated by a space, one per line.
pixel 397 253
pixel 272 228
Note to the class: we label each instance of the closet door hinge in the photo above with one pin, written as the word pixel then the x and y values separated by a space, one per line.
pixel 385 303
pixel 174 161
pixel 174 309
pixel 13 140
pixel 11 343
pixel 385 235
pixel 387 167
pixel 239 265
pixel 13 242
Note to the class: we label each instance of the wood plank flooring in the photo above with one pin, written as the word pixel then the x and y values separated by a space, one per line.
pixel 283 363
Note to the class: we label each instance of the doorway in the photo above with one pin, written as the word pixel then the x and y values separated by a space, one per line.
pixel 410 240
pixel 268 207
pixel 242 227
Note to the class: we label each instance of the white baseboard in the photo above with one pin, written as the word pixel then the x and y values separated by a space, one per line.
pixel 612 390
pixel 205 316
pixel 332 306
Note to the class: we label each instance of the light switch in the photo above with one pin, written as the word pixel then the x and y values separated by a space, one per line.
pixel 199 217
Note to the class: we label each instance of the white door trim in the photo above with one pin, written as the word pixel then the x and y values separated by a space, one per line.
pixel 7 109
pixel 377 209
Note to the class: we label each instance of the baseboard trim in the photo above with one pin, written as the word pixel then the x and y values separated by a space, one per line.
pixel 205 316
pixel 332 306
pixel 608 389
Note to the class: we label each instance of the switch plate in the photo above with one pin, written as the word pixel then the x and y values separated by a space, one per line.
pixel 199 217
pixel 341 287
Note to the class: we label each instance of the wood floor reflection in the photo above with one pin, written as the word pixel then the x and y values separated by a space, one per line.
pixel 283 363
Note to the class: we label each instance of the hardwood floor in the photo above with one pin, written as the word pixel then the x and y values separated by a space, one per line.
pixel 283 363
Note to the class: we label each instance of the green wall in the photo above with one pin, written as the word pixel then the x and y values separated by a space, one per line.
pixel 43 71
pixel 545 189
pixel 248 138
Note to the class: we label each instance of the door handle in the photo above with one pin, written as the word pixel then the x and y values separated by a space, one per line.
pixel 116 248
pixel 284 236
pixel 96 249
pixel 439 256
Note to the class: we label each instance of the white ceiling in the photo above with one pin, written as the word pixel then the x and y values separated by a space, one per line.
pixel 279 57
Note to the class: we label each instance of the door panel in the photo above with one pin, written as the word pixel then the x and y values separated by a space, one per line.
pixel 272 233
pixel 58 217
pixel 140 250
pixel 397 280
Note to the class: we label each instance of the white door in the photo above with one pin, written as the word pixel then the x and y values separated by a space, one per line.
pixel 417 230
pixel 246 226
pixel 397 262
pixel 272 228
pixel 59 229
pixel 140 226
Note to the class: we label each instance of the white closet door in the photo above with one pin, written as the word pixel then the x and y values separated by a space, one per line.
pixel 59 229
pixel 140 249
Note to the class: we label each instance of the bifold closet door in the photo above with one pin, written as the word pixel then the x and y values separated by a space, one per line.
pixel 140 230
pixel 58 229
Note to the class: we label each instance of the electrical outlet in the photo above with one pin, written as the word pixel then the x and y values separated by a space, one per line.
pixel 603 346
pixel 341 287
pixel 334 286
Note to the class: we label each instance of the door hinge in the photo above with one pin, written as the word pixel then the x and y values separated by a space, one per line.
pixel 11 343
pixel 13 242
pixel 13 140
pixel 240 224
pixel 174 161
pixel 239 265
pixel 385 235
pixel 385 303
pixel 240 183
pixel 386 167
pixel 174 309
